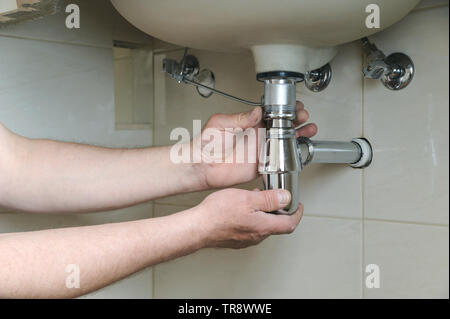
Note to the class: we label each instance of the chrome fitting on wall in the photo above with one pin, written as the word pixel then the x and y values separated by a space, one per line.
pixel 188 71
pixel 395 71
pixel 317 80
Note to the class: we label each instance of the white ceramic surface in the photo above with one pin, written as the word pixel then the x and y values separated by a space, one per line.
pixel 284 35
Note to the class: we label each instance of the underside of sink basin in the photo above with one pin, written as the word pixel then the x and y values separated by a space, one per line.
pixel 289 35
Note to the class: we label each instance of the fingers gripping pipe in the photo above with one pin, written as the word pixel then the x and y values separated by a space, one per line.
pixel 283 156
pixel 279 162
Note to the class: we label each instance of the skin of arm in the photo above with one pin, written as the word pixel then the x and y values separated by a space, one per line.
pixel 44 176
pixel 48 176
pixel 33 264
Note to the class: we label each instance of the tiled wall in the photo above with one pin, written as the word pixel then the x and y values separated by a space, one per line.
pixel 406 190
pixel 59 83
pixel 393 214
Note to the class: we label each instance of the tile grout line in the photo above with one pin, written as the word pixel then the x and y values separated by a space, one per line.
pixel 184 206
pixel 56 41
pixel 363 241
pixel 154 266
pixel 363 232
pixel 431 7
pixel 333 217
pixel 393 221
pixel 153 143
pixel 405 222
pixel 167 51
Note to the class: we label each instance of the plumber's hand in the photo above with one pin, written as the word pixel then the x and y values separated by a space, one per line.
pixel 236 218
pixel 227 171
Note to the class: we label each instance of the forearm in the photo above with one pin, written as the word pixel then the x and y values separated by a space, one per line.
pixel 33 265
pixel 51 176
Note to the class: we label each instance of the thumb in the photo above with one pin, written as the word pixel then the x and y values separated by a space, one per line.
pixel 238 120
pixel 270 200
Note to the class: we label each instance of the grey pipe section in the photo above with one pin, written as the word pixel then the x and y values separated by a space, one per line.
pixel 331 152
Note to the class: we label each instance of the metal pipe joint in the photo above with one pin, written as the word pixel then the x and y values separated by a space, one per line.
pixel 283 156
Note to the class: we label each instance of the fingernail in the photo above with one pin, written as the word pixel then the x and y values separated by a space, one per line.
pixel 284 197
pixel 252 115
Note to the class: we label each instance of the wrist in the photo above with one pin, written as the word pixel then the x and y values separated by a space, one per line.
pixel 196 167
pixel 199 178
pixel 190 174
pixel 200 226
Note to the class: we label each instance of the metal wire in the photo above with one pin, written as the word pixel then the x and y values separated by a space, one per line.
pixel 222 93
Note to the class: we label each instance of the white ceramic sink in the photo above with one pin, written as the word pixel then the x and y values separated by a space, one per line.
pixel 288 35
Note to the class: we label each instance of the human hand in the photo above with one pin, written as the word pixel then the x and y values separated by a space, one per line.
pixel 236 218
pixel 226 171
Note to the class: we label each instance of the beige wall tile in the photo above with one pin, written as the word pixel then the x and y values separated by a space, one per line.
pixel 337 109
pixel 431 4
pixel 8 5
pixel 60 91
pixel 21 222
pixel 96 15
pixel 50 89
pixel 162 46
pixel 413 259
pixel 177 105
pixel 408 179
pixel 100 24
pixel 137 286
pixel 335 190
pixel 124 89
pixel 133 78
pixel 322 259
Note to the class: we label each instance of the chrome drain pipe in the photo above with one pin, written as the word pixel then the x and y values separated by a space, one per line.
pixel 357 153
pixel 279 163
pixel 283 156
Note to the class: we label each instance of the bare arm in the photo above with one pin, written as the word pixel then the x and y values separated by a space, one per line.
pixel 49 176
pixel 33 265
pixel 56 177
